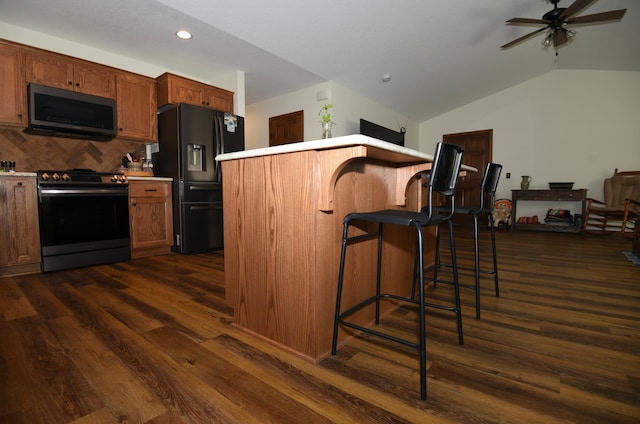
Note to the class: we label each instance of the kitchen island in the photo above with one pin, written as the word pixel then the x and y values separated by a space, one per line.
pixel 283 211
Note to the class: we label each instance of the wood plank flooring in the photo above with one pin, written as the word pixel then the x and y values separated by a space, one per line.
pixel 149 341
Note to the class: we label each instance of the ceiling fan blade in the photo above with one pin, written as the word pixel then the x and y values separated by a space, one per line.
pixel 612 15
pixel 575 7
pixel 516 21
pixel 559 38
pixel 524 37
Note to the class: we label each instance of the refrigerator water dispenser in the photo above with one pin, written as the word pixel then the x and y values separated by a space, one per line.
pixel 195 157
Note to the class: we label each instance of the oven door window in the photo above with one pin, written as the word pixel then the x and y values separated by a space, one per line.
pixel 70 219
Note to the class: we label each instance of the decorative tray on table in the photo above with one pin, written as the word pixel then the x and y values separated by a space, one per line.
pixel 561 186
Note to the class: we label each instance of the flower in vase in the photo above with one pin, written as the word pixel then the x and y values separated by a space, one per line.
pixel 325 113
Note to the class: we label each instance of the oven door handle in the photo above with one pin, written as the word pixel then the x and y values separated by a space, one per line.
pixel 83 191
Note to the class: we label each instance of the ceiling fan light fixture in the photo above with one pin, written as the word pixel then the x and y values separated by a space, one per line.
pixel 548 39
pixel 570 33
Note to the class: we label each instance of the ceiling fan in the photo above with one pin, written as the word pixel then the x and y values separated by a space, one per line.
pixel 557 21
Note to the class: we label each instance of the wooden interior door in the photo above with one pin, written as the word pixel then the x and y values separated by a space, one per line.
pixel 478 151
pixel 287 128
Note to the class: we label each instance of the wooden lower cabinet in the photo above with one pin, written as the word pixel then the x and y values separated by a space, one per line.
pixel 150 217
pixel 19 230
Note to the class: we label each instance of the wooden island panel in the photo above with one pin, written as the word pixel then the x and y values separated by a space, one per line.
pixel 283 227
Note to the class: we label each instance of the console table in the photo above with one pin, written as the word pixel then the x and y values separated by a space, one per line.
pixel 579 195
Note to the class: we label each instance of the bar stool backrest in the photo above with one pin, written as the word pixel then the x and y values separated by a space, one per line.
pixel 490 182
pixel 444 174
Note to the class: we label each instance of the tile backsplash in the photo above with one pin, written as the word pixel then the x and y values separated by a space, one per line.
pixel 33 152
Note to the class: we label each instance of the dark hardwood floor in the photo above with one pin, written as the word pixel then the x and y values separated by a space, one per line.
pixel 149 341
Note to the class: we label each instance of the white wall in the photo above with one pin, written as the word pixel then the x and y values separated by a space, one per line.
pixel 563 126
pixel 348 108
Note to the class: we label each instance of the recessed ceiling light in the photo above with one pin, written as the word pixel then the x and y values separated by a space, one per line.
pixel 185 35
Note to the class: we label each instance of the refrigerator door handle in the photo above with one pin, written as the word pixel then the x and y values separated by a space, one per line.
pixel 216 144
pixel 205 208
pixel 219 136
pixel 203 188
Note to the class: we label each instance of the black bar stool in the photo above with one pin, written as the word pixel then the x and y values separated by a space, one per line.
pixel 489 186
pixel 443 179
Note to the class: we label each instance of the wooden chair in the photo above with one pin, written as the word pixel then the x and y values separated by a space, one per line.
pixel 621 205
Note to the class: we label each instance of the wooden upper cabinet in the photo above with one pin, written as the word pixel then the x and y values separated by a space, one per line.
pixel 176 89
pixel 56 70
pixel 136 103
pixel 13 107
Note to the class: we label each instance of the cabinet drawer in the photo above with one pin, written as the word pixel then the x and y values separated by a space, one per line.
pixel 568 195
pixel 149 189
pixel 525 194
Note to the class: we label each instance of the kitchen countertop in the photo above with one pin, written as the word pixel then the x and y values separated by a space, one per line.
pixel 149 178
pixel 18 174
pixel 33 174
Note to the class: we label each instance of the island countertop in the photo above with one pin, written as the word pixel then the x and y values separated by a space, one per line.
pixel 377 149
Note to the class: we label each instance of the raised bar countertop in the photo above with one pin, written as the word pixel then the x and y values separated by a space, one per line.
pixel 403 154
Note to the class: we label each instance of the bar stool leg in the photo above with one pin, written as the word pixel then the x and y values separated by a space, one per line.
pixel 422 326
pixel 334 343
pixel 456 284
pixel 495 256
pixel 476 254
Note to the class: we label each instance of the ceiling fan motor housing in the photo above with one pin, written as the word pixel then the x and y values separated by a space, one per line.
pixel 553 17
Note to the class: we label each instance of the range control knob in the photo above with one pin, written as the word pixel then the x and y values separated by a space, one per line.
pixel 45 177
pixel 114 179
pixel 55 176
pixel 65 177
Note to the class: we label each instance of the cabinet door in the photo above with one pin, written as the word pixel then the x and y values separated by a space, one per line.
pixel 94 79
pixel 13 107
pixel 218 99
pixel 55 70
pixel 182 91
pixel 48 69
pixel 19 221
pixel 151 215
pixel 137 111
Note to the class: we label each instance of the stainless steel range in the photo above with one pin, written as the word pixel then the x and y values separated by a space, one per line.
pixel 84 218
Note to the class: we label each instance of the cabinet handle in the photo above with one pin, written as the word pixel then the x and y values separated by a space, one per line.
pixel 19 183
pixel 150 189
pixel 70 82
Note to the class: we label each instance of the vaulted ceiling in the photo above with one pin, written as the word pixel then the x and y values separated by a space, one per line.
pixel 440 54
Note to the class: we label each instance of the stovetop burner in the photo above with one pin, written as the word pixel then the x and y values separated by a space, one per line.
pixel 78 176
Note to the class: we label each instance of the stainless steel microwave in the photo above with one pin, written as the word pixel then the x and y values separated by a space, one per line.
pixel 64 113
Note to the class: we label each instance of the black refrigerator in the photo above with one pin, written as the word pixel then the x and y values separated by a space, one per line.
pixel 189 139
